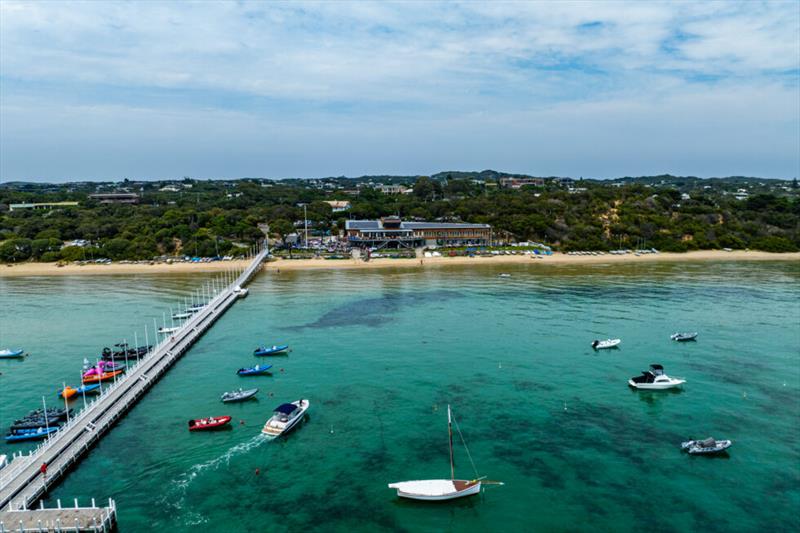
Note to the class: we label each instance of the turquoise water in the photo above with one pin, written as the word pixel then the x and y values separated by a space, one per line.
pixel 380 354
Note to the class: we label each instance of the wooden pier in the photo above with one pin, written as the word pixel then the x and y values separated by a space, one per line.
pixel 22 483
pixel 61 519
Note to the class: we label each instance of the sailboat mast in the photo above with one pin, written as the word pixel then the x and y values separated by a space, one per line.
pixel 450 434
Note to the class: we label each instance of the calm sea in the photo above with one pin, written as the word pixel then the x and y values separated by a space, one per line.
pixel 380 354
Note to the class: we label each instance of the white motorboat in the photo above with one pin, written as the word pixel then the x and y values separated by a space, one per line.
pixel 655 379
pixel 707 446
pixel 285 417
pixel 240 292
pixel 3 460
pixel 683 337
pixel 167 331
pixel 441 489
pixel 180 316
pixel 606 344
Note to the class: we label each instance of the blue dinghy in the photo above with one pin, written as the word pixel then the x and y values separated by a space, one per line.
pixel 19 435
pixel 254 371
pixel 8 354
pixel 93 388
pixel 271 350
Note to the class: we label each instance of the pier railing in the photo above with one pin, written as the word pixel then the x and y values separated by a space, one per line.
pixel 91 413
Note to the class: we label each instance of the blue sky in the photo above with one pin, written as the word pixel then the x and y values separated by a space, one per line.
pixel 105 90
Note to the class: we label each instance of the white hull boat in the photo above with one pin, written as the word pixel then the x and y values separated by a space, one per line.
pixel 655 379
pixel 606 344
pixel 285 417
pixel 441 489
pixel 684 337
pixel 436 489
pixel 167 331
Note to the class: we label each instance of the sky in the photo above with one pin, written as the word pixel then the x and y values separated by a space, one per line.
pixel 160 90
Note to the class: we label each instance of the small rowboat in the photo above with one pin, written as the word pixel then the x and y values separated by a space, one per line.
pixel 254 371
pixel 39 433
pixel 12 353
pixel 105 376
pixel 683 337
pixel 606 344
pixel 208 424
pixel 238 396
pixel 271 350
pixel 707 446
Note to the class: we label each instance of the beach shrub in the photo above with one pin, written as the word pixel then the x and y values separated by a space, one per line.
pixel 15 250
pixel 774 244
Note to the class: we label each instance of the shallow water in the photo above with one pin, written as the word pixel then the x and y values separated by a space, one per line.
pixel 380 354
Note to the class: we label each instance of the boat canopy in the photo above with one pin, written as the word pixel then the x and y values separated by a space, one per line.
pixel 286 408
pixel 656 369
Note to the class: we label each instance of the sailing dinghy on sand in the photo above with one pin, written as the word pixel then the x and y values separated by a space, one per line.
pixel 443 489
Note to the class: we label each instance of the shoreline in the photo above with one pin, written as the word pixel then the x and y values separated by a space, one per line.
pixel 50 269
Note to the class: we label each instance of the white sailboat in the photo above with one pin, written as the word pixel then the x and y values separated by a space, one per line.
pixel 440 489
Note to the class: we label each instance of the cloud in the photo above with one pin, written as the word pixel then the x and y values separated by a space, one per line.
pixel 411 74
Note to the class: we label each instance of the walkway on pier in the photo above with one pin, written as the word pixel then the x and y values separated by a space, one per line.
pixel 61 519
pixel 22 483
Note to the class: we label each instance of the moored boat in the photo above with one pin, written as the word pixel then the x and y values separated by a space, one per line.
pixel 254 371
pixel 684 337
pixel 105 376
pixel 11 353
pixel 655 379
pixel 440 489
pixel 30 434
pixel 167 330
pixel 209 423
pixel 707 446
pixel 606 344
pixel 70 392
pixel 238 396
pixel 180 316
pixel 271 350
pixel 241 292
pixel 285 417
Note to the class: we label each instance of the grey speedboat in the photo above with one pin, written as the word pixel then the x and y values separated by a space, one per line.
pixel 238 395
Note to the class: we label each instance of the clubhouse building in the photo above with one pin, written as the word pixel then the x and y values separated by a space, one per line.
pixel 393 232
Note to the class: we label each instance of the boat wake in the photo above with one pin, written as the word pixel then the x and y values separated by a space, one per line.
pixel 175 497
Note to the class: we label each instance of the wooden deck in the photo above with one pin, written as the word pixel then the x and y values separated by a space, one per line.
pixel 22 483
pixel 60 519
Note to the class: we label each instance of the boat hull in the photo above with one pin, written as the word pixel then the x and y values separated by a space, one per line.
pixel 217 423
pixel 436 489
pixel 656 386
pixel 276 432
pixel 278 350
pixel 254 371
pixel 12 354
pixel 97 378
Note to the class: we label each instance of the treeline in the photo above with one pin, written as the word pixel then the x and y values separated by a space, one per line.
pixel 218 219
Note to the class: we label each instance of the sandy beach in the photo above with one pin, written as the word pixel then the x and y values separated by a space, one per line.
pixel 50 269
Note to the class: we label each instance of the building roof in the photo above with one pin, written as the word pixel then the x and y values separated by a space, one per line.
pixel 374 225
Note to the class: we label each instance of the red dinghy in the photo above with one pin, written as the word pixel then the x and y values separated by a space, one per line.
pixel 210 423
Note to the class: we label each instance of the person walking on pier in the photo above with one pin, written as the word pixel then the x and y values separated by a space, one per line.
pixel 43 470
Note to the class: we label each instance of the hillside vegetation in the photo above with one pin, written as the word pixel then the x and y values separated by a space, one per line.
pixel 214 218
